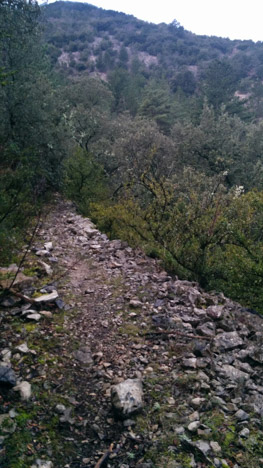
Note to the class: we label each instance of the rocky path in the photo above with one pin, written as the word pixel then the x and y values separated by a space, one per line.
pixel 118 316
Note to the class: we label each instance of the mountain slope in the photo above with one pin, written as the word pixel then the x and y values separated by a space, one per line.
pixel 83 38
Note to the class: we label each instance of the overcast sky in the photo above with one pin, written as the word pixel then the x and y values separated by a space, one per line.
pixel 236 19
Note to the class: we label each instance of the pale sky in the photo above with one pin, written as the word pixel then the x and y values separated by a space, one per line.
pixel 236 19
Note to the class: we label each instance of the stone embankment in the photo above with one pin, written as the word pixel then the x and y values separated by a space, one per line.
pixel 106 360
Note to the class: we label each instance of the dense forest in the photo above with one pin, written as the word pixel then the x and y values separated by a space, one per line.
pixel 154 132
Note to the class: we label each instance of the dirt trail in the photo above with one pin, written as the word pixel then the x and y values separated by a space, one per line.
pixel 120 316
pixel 107 286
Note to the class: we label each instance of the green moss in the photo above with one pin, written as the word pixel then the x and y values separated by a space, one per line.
pixel 7 425
pixel 215 421
pixel 30 271
pixel 6 276
pixel 129 329
pixel 186 381
pixel 37 294
pixel 17 448
pixel 30 327
pixel 229 439
pixel 41 360
pixel 184 459
pixel 162 453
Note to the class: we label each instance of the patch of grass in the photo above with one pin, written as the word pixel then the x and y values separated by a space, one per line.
pixel 129 329
pixel 162 452
pixel 17 451
pixel 30 327
pixel 30 271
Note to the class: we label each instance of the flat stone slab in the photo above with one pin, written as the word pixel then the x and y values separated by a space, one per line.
pixel 35 317
pixel 230 372
pixel 47 297
pixel 215 312
pixel 43 253
pixel 228 341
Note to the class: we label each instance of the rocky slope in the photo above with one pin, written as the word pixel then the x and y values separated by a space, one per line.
pixel 96 313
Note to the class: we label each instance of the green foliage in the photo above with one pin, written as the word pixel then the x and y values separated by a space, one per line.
pixel 219 82
pixel 157 105
pixel 31 126
pixel 202 231
pixel 87 115
pixel 84 180
pixel 184 80
pixel 219 143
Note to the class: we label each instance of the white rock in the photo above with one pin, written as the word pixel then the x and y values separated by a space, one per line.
pixel 24 388
pixel 194 416
pixel 6 355
pixel 171 401
pixel 204 446
pixel 217 463
pixel 46 313
pixel 95 247
pixel 193 426
pixel 127 397
pixel 196 402
pixel 28 312
pixel 215 447
pixel 36 317
pixel 42 464
pixel 42 253
pixel 23 348
pixel 189 362
pixel 48 246
pixel 60 409
pixel 47 297
pixel 148 370
pixel 46 267
pixel 12 413
pixel 244 433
